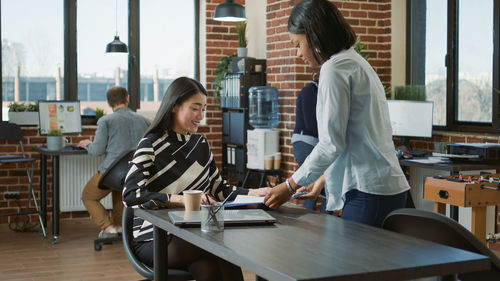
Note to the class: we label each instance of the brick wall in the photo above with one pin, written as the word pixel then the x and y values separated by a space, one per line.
pixel 13 176
pixel 222 40
pixel 371 22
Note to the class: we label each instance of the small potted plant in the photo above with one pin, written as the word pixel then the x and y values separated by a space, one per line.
pixel 23 113
pixel 55 140
pixel 241 29
pixel 99 112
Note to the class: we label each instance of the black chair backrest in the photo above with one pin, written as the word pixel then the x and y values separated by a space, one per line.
pixel 114 177
pixel 438 228
pixel 127 237
pixel 10 131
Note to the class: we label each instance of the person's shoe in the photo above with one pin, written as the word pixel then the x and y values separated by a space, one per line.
pixel 104 234
pixel 118 229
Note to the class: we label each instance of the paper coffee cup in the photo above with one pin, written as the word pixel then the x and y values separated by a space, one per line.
pixel 268 162
pixel 192 199
pixel 277 160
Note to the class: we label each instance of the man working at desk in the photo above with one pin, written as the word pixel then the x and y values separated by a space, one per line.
pixel 116 133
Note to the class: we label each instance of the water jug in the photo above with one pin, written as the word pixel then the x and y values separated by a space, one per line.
pixel 263 107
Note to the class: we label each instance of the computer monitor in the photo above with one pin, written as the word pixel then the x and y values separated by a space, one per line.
pixel 411 118
pixel 64 115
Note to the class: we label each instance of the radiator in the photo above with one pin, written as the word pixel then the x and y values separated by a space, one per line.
pixel 75 171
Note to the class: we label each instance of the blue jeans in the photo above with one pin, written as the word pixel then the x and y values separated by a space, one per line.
pixel 300 151
pixel 371 209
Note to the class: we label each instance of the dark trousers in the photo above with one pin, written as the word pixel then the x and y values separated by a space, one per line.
pixel 300 151
pixel 371 209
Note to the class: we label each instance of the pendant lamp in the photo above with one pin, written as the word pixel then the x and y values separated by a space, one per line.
pixel 229 11
pixel 116 46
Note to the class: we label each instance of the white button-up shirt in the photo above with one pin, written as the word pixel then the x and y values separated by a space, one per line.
pixel 355 149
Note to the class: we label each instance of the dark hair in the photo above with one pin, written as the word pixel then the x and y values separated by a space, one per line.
pixel 326 30
pixel 177 93
pixel 116 95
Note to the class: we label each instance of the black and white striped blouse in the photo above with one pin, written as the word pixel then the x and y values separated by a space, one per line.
pixel 166 164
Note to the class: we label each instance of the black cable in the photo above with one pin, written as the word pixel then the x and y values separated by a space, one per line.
pixel 25 225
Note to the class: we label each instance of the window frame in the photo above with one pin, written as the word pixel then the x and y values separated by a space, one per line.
pixel 414 52
pixel 70 51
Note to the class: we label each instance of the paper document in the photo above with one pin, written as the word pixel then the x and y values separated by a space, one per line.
pixel 248 199
pixel 242 200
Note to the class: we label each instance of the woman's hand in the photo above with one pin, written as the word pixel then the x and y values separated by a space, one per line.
pixel 259 191
pixel 204 201
pixel 313 190
pixel 277 196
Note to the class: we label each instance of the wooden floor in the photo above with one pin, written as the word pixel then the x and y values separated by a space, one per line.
pixel 28 256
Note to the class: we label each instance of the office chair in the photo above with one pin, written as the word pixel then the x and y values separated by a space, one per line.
pixel 12 132
pixel 142 269
pixel 438 228
pixel 112 179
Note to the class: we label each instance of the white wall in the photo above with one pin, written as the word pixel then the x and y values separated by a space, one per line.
pixel 256 28
pixel 398 43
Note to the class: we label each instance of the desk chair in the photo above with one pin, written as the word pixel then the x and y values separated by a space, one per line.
pixel 112 179
pixel 12 132
pixel 142 269
pixel 438 228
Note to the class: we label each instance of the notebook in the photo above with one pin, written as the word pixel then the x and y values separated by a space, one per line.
pixel 231 217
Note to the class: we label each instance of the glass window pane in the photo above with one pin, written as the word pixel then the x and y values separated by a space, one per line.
pixel 32 50
pixel 97 23
pixel 475 60
pixel 435 70
pixel 167 47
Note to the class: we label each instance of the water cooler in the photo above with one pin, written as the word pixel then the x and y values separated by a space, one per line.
pixel 263 117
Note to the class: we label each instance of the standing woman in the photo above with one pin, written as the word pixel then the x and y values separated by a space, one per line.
pixel 355 149
pixel 172 158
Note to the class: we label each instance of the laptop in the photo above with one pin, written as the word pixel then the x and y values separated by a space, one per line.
pixel 231 217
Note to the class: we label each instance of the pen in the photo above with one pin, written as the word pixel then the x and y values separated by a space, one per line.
pixel 211 213
pixel 297 195
pixel 224 202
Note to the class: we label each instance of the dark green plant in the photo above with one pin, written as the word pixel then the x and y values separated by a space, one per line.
pixel 221 71
pixel 23 107
pixel 99 112
pixel 55 132
pixel 410 92
pixel 359 47
pixel 241 28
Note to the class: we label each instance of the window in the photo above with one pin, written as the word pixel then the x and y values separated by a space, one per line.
pixel 32 50
pixel 97 70
pixel 167 46
pixel 70 63
pixel 460 68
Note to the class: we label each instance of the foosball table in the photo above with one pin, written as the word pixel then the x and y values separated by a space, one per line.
pixel 477 192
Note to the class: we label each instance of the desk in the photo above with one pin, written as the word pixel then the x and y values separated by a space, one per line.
pixel 305 245
pixel 55 184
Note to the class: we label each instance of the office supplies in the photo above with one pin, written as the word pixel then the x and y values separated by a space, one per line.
pixel 297 195
pixel 484 152
pixel 231 217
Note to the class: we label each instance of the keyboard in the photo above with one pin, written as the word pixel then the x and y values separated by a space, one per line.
pixel 73 147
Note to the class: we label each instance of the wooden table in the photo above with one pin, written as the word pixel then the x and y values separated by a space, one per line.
pixel 303 245
pixel 55 184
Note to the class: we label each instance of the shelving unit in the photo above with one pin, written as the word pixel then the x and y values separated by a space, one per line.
pixel 245 73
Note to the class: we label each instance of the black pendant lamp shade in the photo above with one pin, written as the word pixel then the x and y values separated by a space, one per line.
pixel 229 11
pixel 116 46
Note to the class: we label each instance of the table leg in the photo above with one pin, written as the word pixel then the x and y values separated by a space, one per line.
pixel 160 254
pixel 55 198
pixel 440 208
pixel 478 223
pixel 43 188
